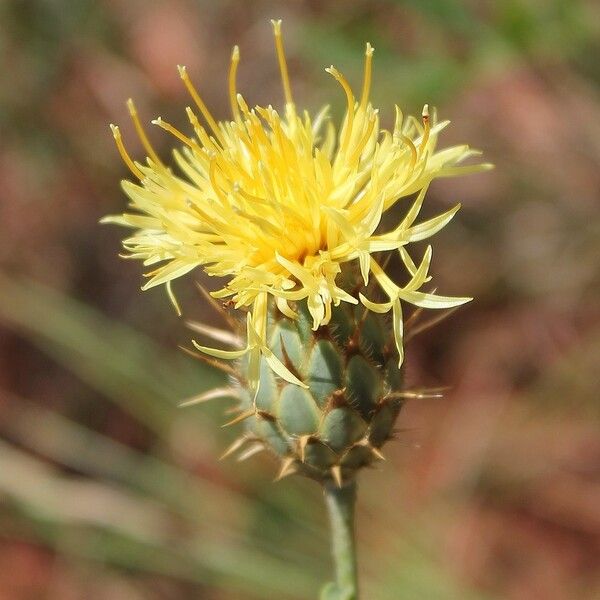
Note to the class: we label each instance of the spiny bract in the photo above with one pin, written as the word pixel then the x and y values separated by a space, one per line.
pixel 338 423
pixel 285 209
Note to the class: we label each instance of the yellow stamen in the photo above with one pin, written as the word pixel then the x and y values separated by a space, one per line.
pixel 426 128
pixel 413 151
pixel 242 104
pixel 124 155
pixel 367 76
pixel 235 60
pixel 363 142
pixel 212 174
pixel 398 120
pixel 287 90
pixel 198 100
pixel 350 99
pixel 142 133
pixel 174 131
pixel 203 137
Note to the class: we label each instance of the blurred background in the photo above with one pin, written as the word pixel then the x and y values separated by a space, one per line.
pixel 109 491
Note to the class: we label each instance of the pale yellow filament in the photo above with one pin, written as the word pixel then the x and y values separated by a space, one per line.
pixel 142 133
pixel 426 128
pixel 199 102
pixel 235 60
pixel 174 131
pixel 364 98
pixel 350 99
pixel 124 154
pixel 212 174
pixel 206 141
pixel 285 78
pixel 413 151
pixel 363 142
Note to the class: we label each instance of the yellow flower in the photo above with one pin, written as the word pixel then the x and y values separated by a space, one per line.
pixel 278 203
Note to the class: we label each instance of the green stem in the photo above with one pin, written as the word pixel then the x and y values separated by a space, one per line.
pixel 340 506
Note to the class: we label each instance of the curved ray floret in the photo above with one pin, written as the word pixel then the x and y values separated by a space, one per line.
pixel 278 203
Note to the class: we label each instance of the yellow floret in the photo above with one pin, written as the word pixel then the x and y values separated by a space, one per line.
pixel 277 203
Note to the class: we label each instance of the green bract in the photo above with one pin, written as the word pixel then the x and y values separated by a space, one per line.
pixel 339 422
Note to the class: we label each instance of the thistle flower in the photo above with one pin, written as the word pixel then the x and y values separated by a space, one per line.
pixel 278 203
pixel 288 212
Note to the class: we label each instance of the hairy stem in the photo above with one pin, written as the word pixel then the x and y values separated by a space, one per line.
pixel 340 506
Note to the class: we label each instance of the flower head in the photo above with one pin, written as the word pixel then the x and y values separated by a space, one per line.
pixel 278 203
